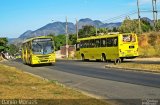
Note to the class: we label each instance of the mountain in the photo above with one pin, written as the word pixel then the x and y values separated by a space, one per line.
pixel 54 28
pixel 11 40
pixel 26 34
pixel 57 28
pixel 111 25
pixel 148 20
pixel 87 21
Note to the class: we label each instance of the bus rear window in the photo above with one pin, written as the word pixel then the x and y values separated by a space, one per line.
pixel 129 38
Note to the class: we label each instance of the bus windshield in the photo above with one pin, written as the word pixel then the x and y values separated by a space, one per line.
pixel 42 46
pixel 129 38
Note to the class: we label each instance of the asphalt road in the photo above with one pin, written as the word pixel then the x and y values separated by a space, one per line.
pixel 93 78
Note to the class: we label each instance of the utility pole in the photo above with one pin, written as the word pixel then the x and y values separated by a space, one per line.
pixel 96 30
pixel 155 19
pixel 66 38
pixel 139 17
pixel 156 12
pixel 77 28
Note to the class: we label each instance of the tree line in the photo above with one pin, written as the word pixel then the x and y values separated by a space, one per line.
pixel 9 48
pixel 127 26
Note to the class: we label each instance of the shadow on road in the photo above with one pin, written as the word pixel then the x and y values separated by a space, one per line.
pixel 37 65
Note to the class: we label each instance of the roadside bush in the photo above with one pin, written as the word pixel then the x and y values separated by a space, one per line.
pixel 147 51
pixel 149 44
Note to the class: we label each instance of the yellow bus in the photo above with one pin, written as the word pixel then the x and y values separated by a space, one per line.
pixel 38 50
pixel 112 46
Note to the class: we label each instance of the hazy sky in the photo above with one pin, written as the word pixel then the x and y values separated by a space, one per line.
pixel 18 16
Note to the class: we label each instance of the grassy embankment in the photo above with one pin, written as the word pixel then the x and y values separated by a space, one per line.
pixel 149 44
pixel 16 84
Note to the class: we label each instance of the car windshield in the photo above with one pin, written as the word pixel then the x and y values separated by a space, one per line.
pixel 129 38
pixel 42 46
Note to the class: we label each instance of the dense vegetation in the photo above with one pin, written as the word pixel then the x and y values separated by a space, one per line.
pixel 60 40
pixel 10 48
pixel 129 25
pixel 3 44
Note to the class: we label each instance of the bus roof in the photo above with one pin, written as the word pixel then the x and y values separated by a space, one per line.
pixel 30 39
pixel 103 36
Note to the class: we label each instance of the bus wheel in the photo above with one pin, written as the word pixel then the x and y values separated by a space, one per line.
pixel 117 61
pixel 103 58
pixel 122 59
pixel 82 57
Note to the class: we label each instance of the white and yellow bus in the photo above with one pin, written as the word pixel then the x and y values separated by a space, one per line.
pixel 107 47
pixel 38 50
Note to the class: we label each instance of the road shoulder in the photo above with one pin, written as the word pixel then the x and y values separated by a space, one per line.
pixel 148 65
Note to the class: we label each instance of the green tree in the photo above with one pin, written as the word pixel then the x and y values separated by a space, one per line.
pixel 60 40
pixel 158 25
pixel 3 44
pixel 72 39
pixel 13 49
pixel 87 31
pixel 129 25
pixel 102 30
pixel 145 25
pixel 115 29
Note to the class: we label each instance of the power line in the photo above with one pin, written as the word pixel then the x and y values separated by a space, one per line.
pixel 154 6
pixel 128 14
pixel 121 16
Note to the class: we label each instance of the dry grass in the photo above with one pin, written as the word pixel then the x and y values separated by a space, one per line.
pixel 139 67
pixel 149 44
pixel 16 84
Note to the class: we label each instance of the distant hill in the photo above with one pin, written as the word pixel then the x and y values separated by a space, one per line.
pixel 26 34
pixel 148 20
pixel 59 27
pixel 11 40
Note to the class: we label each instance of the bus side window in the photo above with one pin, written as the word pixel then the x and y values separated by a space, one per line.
pixel 103 42
pixel 92 44
pixel 82 44
pixel 109 42
pixel 97 41
pixel 87 44
pixel 112 42
pixel 115 41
